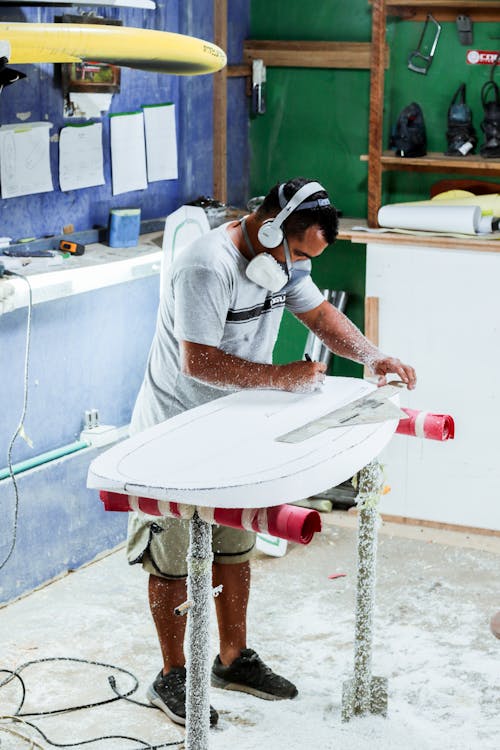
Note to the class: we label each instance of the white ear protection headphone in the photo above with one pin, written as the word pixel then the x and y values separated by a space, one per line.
pixel 270 233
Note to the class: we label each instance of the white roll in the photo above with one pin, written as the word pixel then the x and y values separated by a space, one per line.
pixel 460 219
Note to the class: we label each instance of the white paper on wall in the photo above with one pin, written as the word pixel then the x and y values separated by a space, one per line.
pixel 128 153
pixel 161 142
pixel 25 159
pixel 80 156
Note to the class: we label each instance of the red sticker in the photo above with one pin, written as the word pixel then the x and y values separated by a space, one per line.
pixel 481 57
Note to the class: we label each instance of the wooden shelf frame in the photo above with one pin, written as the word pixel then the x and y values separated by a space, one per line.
pixel 443 10
pixel 311 54
pixel 380 161
pixel 437 162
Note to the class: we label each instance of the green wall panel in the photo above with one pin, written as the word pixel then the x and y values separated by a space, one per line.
pixel 316 125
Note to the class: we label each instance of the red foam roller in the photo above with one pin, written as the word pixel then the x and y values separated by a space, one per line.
pixel 114 501
pixel 290 522
pixel 294 523
pixel 426 425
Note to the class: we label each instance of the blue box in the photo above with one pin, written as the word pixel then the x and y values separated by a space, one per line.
pixel 124 227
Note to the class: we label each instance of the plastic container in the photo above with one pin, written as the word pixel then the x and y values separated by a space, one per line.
pixel 124 227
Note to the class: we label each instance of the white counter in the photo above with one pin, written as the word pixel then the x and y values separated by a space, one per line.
pixel 99 266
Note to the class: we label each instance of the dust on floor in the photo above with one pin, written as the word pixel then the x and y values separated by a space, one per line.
pixel 436 592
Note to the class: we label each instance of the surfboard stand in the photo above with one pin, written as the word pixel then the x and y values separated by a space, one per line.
pixel 199 592
pixel 364 694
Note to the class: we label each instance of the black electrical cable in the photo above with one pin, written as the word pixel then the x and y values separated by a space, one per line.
pixel 21 420
pixel 15 674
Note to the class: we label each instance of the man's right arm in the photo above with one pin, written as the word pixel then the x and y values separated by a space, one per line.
pixel 212 366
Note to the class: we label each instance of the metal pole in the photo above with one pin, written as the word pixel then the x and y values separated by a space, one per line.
pixel 199 592
pixel 366 694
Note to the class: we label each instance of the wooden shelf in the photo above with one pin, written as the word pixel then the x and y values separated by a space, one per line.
pixel 443 10
pixel 346 232
pixel 306 54
pixel 436 162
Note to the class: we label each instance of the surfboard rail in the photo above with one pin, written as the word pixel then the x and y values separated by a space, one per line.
pixel 144 49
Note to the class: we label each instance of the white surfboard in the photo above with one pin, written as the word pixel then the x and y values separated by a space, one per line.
pixel 226 453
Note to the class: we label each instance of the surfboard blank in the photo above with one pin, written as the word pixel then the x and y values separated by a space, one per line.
pixel 146 49
pixel 226 454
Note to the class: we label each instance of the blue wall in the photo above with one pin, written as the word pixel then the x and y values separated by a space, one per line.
pixel 90 350
pixel 40 95
pixel 87 351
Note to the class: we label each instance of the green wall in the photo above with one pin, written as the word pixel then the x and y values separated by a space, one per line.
pixel 316 125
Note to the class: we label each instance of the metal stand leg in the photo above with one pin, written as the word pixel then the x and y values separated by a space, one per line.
pixel 198 634
pixel 366 694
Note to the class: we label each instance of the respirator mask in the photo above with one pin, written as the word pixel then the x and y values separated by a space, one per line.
pixel 264 270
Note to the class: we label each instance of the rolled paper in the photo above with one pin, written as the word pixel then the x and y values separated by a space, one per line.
pixel 426 425
pixel 433 218
pixel 119 502
pixel 290 522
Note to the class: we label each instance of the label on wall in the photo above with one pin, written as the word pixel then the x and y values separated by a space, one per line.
pixel 481 57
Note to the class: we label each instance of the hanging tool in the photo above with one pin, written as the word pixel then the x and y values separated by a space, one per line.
pixel 258 87
pixel 418 55
pixel 464 29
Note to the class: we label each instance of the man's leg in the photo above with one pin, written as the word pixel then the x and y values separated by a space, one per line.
pixel 238 667
pixel 168 691
pixel 231 608
pixel 164 596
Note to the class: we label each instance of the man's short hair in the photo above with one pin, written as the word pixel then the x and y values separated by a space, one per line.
pixel 296 224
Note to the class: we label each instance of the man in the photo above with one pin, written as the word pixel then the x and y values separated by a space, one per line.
pixel 218 321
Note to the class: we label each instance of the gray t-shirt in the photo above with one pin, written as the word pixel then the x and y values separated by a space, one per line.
pixel 207 299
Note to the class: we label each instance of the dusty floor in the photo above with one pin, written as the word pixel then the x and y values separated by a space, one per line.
pixel 436 592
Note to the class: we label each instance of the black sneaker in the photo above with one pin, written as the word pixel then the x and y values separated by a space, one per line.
pixel 168 692
pixel 249 674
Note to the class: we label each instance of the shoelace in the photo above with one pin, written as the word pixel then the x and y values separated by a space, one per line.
pixel 175 680
pixel 256 665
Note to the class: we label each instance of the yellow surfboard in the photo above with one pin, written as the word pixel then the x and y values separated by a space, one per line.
pixel 146 49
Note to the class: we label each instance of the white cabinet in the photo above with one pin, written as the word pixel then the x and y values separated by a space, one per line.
pixel 439 310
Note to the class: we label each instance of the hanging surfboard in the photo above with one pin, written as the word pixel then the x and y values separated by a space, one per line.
pixel 143 4
pixel 244 450
pixel 145 49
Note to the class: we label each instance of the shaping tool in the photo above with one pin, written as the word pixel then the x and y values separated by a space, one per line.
pixel 372 408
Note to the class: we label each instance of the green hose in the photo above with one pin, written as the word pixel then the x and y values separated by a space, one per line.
pixel 43 458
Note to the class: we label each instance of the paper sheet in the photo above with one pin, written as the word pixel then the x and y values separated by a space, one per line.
pixel 25 159
pixel 161 142
pixel 81 157
pixel 128 153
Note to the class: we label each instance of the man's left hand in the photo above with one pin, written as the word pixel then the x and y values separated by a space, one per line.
pixel 386 365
